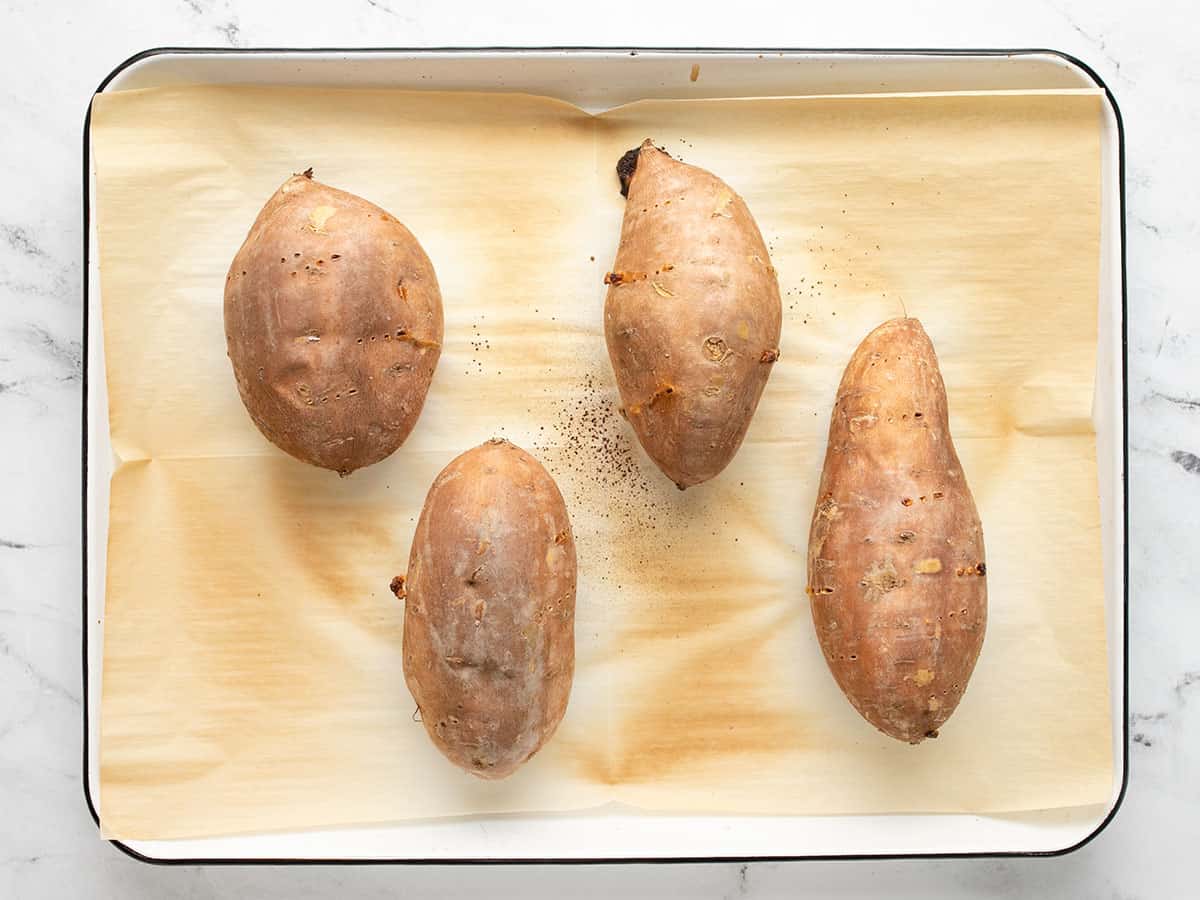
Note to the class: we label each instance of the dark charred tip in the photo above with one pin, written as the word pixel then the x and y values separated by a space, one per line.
pixel 626 166
pixel 931 734
pixel 681 485
pixel 307 173
pixel 397 586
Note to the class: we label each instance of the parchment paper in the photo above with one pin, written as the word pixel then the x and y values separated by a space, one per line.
pixel 252 674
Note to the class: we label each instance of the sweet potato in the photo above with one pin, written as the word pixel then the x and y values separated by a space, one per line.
pixel 692 316
pixel 489 618
pixel 896 568
pixel 333 322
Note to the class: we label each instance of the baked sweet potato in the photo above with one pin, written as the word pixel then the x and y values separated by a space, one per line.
pixel 692 317
pixel 489 617
pixel 896 568
pixel 333 321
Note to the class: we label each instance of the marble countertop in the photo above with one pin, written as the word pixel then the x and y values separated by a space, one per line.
pixel 57 53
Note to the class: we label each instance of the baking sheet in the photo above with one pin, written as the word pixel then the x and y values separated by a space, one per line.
pixel 252 676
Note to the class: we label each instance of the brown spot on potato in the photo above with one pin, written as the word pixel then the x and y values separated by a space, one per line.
pixel 662 393
pixel 715 348
pixel 419 343
pixel 619 278
pixel 318 217
pixel 827 508
pixel 881 578
pixel 723 202
pixel 866 420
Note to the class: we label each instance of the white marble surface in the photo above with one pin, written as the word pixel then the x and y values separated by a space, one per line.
pixel 56 54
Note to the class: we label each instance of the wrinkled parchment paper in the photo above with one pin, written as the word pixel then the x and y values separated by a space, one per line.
pixel 252 673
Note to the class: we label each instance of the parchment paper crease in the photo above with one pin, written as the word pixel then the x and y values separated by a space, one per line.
pixel 252 674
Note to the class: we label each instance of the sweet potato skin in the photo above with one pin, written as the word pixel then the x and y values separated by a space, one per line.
pixel 692 317
pixel 489 619
pixel 333 323
pixel 896 570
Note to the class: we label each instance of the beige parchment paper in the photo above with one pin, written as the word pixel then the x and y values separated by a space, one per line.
pixel 252 675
